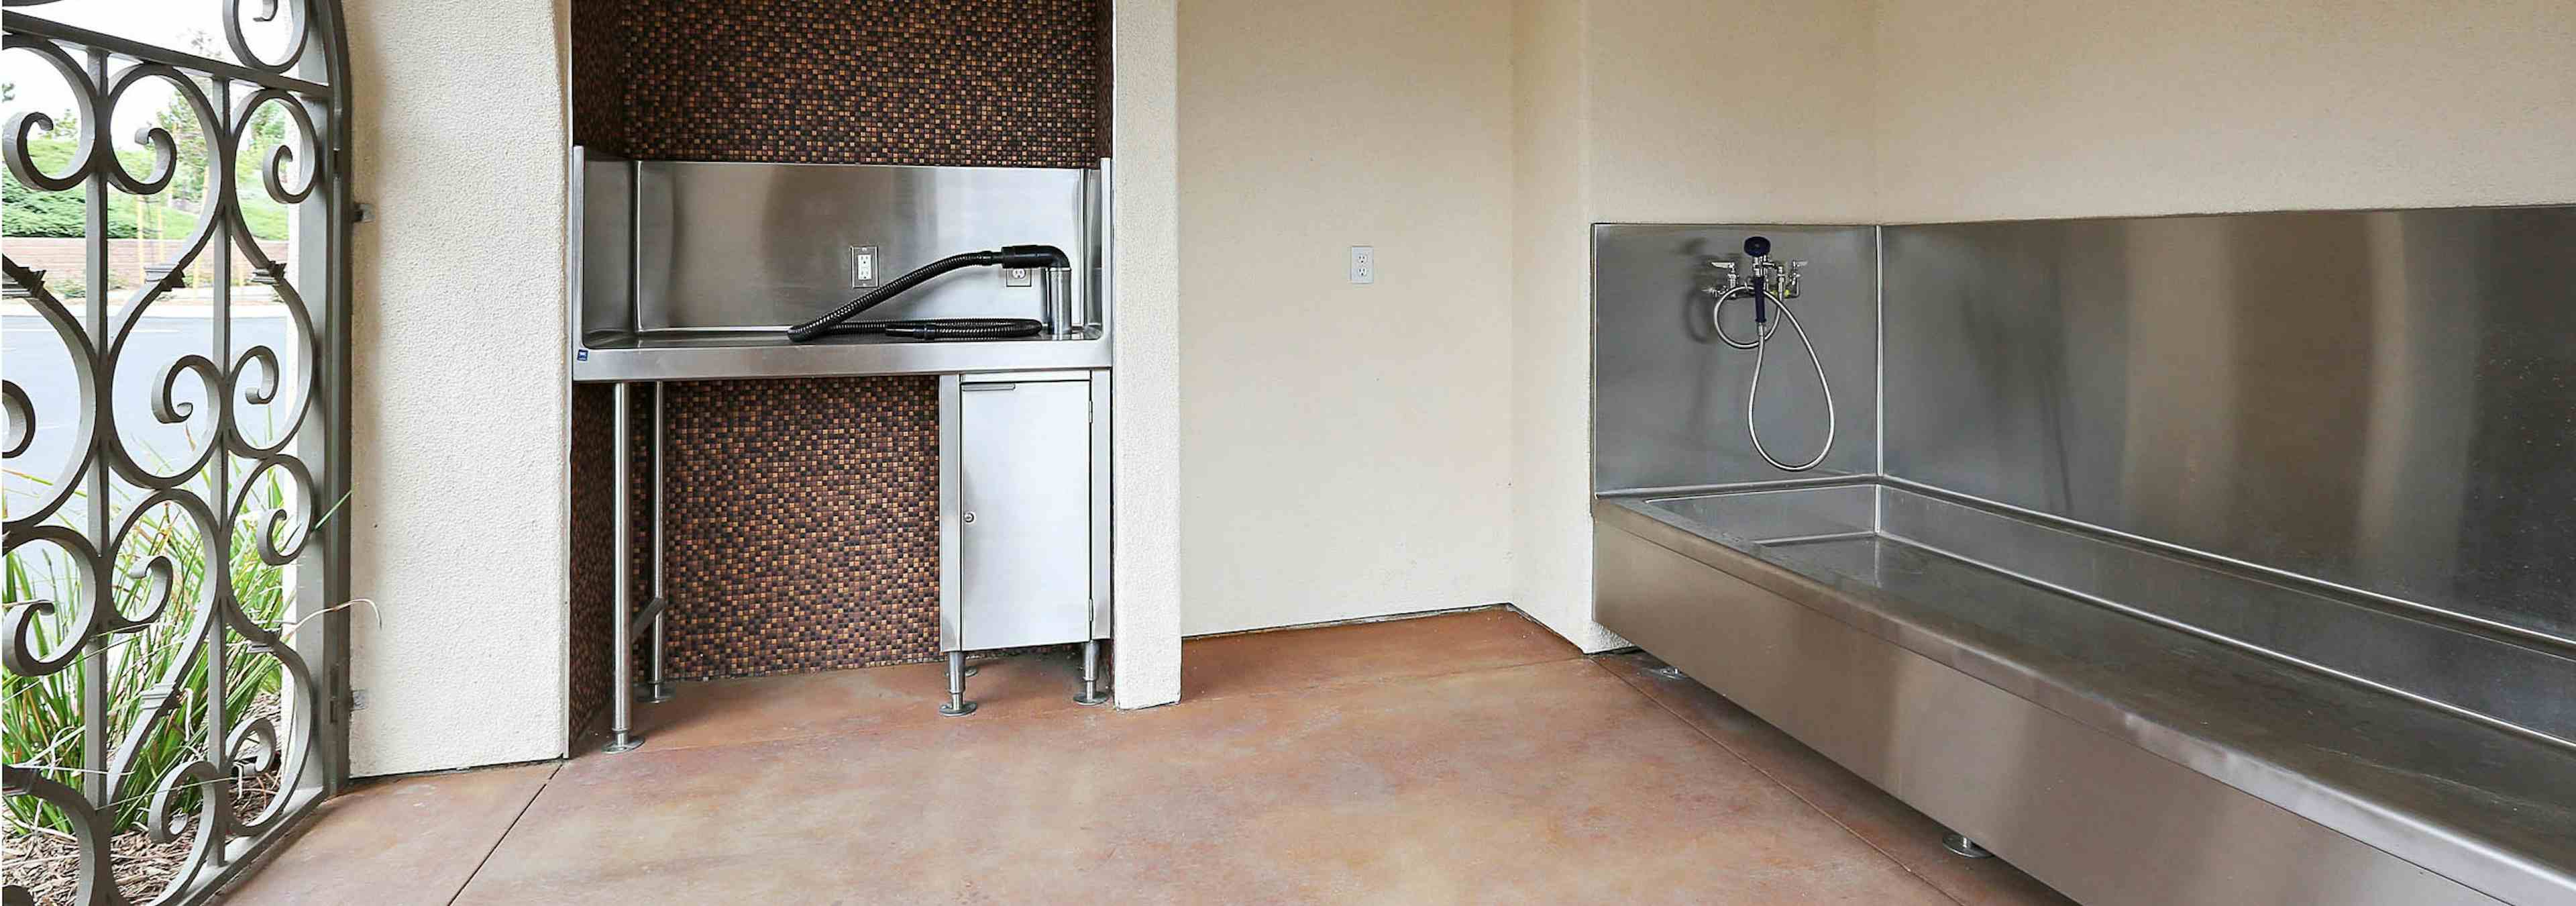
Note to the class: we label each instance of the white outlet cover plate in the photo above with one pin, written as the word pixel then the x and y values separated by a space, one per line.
pixel 1363 264
pixel 863 266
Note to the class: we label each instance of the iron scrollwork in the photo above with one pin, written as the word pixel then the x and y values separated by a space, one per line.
pixel 151 550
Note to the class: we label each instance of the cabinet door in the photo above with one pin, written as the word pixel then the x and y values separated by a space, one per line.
pixel 1025 531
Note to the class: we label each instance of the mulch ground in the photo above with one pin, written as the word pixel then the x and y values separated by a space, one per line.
pixel 47 862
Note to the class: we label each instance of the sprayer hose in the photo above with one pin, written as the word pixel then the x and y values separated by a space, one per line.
pixel 1761 344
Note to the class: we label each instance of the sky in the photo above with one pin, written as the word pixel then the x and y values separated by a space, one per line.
pixel 168 23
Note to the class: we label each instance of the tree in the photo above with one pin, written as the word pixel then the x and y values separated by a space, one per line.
pixel 188 149
pixel 171 213
pixel 35 214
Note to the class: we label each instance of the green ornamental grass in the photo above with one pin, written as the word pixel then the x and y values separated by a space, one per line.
pixel 43 714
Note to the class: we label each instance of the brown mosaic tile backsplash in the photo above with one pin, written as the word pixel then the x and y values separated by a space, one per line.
pixel 948 82
pixel 598 38
pixel 802 524
pixel 803 520
pixel 592 524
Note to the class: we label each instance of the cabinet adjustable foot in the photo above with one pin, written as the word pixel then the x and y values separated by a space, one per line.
pixel 1091 694
pixel 957 705
pixel 1959 843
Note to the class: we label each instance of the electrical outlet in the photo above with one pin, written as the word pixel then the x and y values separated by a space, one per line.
pixel 1363 264
pixel 1018 276
pixel 863 266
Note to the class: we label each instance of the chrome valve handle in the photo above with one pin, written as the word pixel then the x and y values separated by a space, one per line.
pixel 1726 270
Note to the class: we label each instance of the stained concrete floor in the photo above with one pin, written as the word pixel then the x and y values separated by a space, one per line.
pixel 1469 757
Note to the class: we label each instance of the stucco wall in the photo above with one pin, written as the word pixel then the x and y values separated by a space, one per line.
pixel 1423 442
pixel 1551 360
pixel 460 395
pixel 1146 411
pixel 1346 448
pixel 1729 112
pixel 2000 110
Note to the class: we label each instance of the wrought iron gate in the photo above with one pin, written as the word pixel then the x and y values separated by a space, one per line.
pixel 177 441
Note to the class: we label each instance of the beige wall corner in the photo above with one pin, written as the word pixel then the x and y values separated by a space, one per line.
pixel 1619 116
pixel 1346 448
pixel 1146 414
pixel 460 394
pixel 1552 321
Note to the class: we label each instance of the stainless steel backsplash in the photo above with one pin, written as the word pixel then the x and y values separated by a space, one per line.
pixel 1669 398
pixel 2382 400
pixel 730 245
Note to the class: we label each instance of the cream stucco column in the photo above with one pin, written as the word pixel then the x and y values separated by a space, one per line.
pixel 1146 472
pixel 460 400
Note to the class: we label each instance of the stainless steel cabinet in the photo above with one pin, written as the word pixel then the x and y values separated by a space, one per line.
pixel 1024 512
pixel 1024 553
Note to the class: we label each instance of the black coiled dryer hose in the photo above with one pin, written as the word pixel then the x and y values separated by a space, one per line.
pixel 1034 256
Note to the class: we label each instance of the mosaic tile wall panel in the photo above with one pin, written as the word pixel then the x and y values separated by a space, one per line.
pixel 948 82
pixel 639 502
pixel 804 524
pixel 592 527
pixel 598 36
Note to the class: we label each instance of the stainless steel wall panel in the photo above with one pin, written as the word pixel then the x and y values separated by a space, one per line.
pixel 1669 398
pixel 732 245
pixel 2380 400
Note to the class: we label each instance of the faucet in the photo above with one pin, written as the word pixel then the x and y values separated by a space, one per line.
pixel 1771 282
pixel 1770 279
